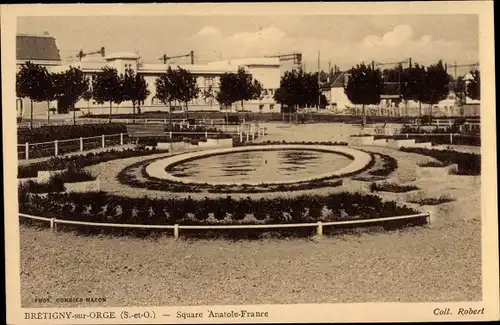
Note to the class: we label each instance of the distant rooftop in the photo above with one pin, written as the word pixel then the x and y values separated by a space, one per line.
pixel 36 47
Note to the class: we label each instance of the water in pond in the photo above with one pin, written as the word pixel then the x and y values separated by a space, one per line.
pixel 261 166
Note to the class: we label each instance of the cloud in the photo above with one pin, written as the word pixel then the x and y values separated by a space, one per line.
pixel 395 37
pixel 396 44
pixel 209 31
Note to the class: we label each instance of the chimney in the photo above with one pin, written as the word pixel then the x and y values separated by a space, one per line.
pixel 46 33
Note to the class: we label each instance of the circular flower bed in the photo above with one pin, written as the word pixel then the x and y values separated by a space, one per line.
pixel 139 175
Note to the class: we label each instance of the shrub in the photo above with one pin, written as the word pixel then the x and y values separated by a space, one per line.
pixel 389 165
pixel 146 211
pixel 433 201
pixel 81 161
pixel 432 164
pixel 62 132
pixel 394 188
pixel 55 184
pixel 468 163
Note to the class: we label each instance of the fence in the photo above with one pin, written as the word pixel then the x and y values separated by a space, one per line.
pixel 176 228
pixel 448 138
pixel 83 121
pixel 58 147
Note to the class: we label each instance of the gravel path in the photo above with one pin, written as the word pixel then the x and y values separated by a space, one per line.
pixel 441 263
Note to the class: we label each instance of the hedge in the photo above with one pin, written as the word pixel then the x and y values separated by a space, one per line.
pixel 268 142
pixel 103 207
pixel 63 132
pixel 394 188
pixel 458 139
pixel 468 163
pixel 80 161
pixel 265 117
pixel 389 165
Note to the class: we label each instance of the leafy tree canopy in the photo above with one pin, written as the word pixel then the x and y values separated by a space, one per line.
pixel 364 85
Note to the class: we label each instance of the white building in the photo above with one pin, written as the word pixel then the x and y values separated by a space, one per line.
pixel 42 49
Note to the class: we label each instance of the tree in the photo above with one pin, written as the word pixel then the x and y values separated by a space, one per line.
pixel 209 96
pixel 297 89
pixel 108 87
pixel 33 81
pixel 239 86
pixel 135 89
pixel 70 86
pixel 87 95
pixel 186 88
pixel 364 87
pixel 165 89
pixel 474 85
pixel 436 86
pixel 26 84
pixel 412 85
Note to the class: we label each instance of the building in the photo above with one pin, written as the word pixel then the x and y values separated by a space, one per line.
pixel 265 70
pixel 391 103
pixel 333 90
pixel 41 50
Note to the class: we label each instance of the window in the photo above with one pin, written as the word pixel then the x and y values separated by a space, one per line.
pixel 261 107
pixel 155 101
pixel 19 104
pixel 264 92
pixel 271 106
pixel 209 81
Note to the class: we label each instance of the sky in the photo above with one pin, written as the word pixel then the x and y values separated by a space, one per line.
pixel 341 40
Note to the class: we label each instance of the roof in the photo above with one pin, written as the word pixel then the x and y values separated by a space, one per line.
pixel 122 55
pixel 336 81
pixel 32 47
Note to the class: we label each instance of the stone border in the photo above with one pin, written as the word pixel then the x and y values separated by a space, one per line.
pixel 361 159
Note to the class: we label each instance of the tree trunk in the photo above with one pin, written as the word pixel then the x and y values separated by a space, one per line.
pixel 133 111
pixel 48 112
pixel 430 114
pixel 74 114
pixel 110 110
pixel 363 116
pixel 31 114
pixel 420 109
pixel 187 115
pixel 170 114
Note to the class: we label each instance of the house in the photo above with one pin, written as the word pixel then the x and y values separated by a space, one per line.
pixel 38 49
pixel 333 90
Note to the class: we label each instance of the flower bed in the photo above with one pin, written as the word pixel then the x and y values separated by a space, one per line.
pixel 468 163
pixel 432 164
pixel 394 188
pixel 433 201
pixel 101 207
pixel 136 176
pixel 458 139
pixel 389 165
pixel 80 161
pixel 268 142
